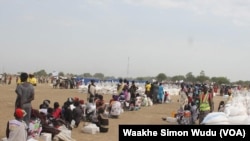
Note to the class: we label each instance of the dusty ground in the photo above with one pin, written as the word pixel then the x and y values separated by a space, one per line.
pixel 146 115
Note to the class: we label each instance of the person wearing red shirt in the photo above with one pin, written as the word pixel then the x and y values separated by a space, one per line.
pixel 57 111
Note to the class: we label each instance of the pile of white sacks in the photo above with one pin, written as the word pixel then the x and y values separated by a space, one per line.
pixel 111 88
pixel 236 112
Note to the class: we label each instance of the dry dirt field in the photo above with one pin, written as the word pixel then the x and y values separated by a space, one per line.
pixel 146 115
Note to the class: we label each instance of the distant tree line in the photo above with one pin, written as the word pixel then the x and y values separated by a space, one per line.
pixel 161 77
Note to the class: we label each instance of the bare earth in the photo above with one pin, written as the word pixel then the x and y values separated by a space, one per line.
pixel 146 115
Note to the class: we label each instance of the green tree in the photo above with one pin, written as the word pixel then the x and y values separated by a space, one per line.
pixel 202 79
pixel 109 77
pixel 40 73
pixel 161 77
pixel 178 78
pixel 99 75
pixel 87 75
pixel 190 77
pixel 60 73
pixel 220 80
pixel 140 79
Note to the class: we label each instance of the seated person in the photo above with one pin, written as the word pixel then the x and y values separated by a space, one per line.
pixel 102 120
pixel 115 108
pixel 221 106
pixel 77 113
pixel 16 129
pixel 90 109
pixel 57 111
pixel 100 102
pixel 44 106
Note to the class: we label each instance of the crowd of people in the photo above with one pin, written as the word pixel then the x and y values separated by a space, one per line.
pixel 74 110
pixel 196 101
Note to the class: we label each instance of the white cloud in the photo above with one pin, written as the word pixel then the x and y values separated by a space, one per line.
pixel 236 10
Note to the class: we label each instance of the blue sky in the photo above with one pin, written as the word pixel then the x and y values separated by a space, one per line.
pixel 126 37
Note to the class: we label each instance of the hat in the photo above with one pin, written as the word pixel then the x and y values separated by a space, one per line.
pixel 20 113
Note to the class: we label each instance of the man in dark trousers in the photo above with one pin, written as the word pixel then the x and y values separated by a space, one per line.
pixel 154 91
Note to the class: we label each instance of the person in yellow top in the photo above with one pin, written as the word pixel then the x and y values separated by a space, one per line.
pixel 18 80
pixel 206 105
pixel 147 89
pixel 32 79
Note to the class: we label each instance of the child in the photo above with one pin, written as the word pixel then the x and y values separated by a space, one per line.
pixel 221 106
pixel 167 97
pixel 194 112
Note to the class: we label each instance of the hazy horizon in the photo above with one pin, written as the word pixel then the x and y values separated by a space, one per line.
pixel 126 38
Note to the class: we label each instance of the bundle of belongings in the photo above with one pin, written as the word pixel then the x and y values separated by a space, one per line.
pixel 58 128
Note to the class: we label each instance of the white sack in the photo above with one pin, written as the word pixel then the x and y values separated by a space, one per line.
pixel 215 117
pixel 247 120
pixel 235 110
pixel 237 119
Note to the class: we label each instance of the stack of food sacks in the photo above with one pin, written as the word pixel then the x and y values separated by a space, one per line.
pixel 236 112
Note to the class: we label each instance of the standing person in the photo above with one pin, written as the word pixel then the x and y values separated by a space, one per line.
pixel 31 79
pixel 183 98
pixel 147 89
pixel 206 103
pixel 133 88
pixel 160 93
pixel 120 87
pixel 16 129
pixel 10 78
pixel 91 90
pixel 1 77
pixel 154 91
pixel 25 95
pixel 230 96
pixel 126 90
